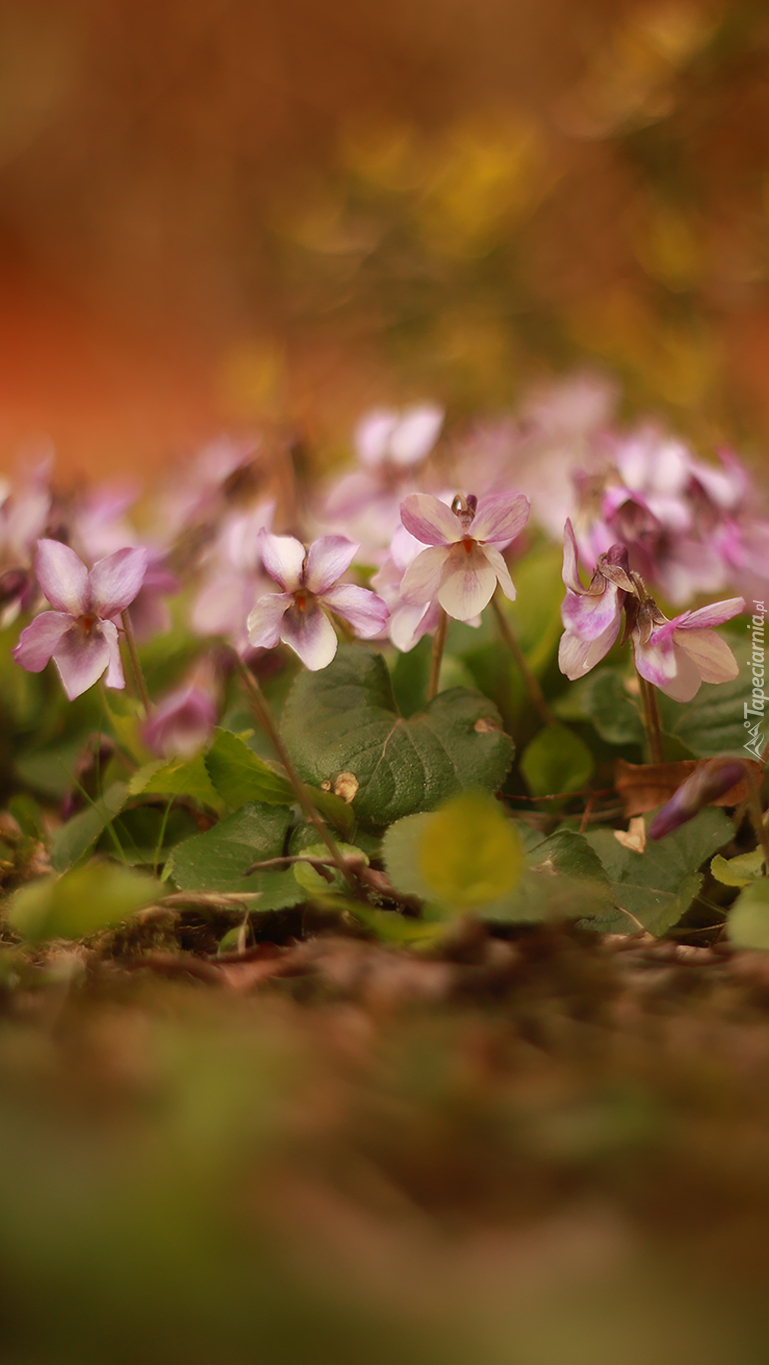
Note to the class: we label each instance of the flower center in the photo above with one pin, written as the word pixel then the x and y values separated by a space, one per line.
pixel 468 543
pixel 301 600
pixel 88 623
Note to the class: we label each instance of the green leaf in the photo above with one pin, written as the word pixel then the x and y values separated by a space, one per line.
pixel 344 719
pixel 748 922
pixel 239 775
pixel 536 612
pixel 81 902
pixel 556 761
pixel 401 853
pixel 609 706
pixel 315 882
pixel 739 871
pixel 657 886
pixel 81 832
pixel 126 716
pixel 217 859
pixel 186 778
pixel 470 852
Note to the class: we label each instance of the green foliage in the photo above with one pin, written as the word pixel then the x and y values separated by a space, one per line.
pixel 80 833
pixel 657 887
pixel 83 901
pixel 344 719
pixel 239 776
pixel 186 778
pixel 555 761
pixel 748 922
pixel 603 699
pixel 470 853
pixel 217 859
pixel 739 871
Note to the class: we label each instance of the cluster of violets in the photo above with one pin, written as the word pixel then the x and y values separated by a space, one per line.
pixel 642 513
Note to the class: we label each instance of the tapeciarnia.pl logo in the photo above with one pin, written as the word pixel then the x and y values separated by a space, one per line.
pixel 755 708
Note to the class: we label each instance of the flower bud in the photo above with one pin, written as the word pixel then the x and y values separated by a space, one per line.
pixel 707 783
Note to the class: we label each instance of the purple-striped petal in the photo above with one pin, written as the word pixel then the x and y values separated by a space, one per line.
pixel 409 624
pixel 430 520
pixel 714 615
pixel 500 517
pixel 589 617
pixel 63 577
pixel 81 657
pixel 577 656
pixel 264 622
pixel 423 577
pixel 327 559
pixel 366 613
pixel 310 634
pixel 501 570
pixel 116 580
pixel 115 677
pixel 712 655
pixel 656 659
pixel 571 560
pixel 468 582
pixel 40 638
pixel 283 558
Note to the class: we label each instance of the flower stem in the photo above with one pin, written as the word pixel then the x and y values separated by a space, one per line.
pixel 261 707
pixel 536 695
pixel 136 667
pixel 651 720
pixel 439 644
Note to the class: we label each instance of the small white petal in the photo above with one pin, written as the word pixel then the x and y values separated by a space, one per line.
pixel 468 582
pixel 310 634
pixel 264 622
pixel 327 559
pixel 283 558
pixel 63 577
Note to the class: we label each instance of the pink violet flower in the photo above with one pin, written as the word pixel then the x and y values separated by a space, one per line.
pixel 389 445
pixel 710 781
pixel 297 615
pixel 591 616
pixel 80 634
pixel 181 723
pixel 678 655
pixel 463 563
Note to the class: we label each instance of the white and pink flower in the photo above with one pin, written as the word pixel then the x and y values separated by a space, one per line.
pixel 591 616
pixel 308 579
pixel 678 655
pixel 80 634
pixel 463 564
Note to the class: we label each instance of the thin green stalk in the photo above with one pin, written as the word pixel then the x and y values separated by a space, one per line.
pixel 261 707
pixel 136 667
pixel 533 688
pixel 651 717
pixel 439 644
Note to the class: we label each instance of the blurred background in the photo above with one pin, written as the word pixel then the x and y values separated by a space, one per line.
pixel 215 213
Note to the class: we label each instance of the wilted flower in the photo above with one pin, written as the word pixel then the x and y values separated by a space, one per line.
pixel 80 635
pixel 463 564
pixel 678 655
pixel 297 615
pixel 591 616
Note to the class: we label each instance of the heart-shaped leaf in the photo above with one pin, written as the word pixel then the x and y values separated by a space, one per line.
pixel 343 719
pixel 217 859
